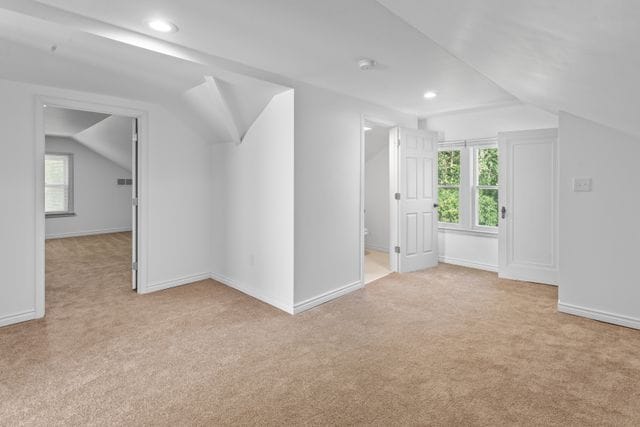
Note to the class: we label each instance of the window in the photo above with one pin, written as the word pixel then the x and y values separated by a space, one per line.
pixel 486 187
pixel 58 184
pixel 468 185
pixel 449 186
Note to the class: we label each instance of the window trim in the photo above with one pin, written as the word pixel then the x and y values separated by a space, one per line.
pixel 71 190
pixel 468 188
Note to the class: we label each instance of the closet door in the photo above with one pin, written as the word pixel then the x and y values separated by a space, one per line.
pixel 528 225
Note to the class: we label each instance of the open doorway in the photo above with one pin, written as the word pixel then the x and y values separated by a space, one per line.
pixel 90 204
pixel 377 206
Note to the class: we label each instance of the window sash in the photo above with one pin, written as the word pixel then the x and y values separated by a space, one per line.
pixel 458 187
pixel 476 187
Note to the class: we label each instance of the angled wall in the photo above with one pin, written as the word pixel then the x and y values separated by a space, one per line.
pixel 252 207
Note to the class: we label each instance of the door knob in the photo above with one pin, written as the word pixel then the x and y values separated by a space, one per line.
pixel 435 205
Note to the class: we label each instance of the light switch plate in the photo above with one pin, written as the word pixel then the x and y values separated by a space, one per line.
pixel 581 184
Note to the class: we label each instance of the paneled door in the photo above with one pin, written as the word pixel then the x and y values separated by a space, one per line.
pixel 417 200
pixel 528 224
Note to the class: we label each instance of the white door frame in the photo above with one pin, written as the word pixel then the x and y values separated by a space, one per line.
pixel 393 260
pixel 142 174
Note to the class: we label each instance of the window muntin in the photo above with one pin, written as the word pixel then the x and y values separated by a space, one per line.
pixel 58 184
pixel 449 162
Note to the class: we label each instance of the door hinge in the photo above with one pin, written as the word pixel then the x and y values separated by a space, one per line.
pixel 134 201
pixel 134 137
pixel 397 249
pixel 397 196
pixel 134 266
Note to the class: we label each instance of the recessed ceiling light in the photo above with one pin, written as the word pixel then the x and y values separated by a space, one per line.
pixel 430 95
pixel 162 26
pixel 366 128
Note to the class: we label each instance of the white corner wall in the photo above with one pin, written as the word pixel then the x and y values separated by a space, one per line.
pixel 599 243
pixel 175 180
pixel 253 207
pixel 473 249
pixel 100 205
pixel 376 194
pixel 327 192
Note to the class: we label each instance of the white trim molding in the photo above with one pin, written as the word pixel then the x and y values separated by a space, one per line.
pixel 17 318
pixel 469 264
pixel 602 316
pixel 326 297
pixel 87 233
pixel 252 292
pixel 187 280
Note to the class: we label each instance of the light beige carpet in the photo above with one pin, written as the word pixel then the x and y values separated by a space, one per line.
pixel 448 346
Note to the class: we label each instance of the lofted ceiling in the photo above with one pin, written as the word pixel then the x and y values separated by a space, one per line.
pixel 577 56
pixel 318 42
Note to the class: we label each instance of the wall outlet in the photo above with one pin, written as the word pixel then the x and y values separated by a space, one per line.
pixel 581 184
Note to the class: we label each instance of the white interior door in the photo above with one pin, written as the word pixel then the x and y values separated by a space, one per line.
pixel 417 237
pixel 134 205
pixel 528 227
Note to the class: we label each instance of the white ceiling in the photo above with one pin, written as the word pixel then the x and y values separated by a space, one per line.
pixel 67 123
pixel 571 55
pixel 107 135
pixel 318 42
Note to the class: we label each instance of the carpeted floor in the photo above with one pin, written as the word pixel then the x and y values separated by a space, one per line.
pixel 448 346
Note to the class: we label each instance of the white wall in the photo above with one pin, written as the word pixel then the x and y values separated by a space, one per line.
pixel 486 123
pixel 253 207
pixel 100 205
pixel 599 237
pixel 175 206
pixel 327 191
pixel 469 249
pixel 376 195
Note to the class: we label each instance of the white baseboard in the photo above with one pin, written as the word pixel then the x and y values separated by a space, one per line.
pixel 603 316
pixel 17 318
pixel 87 233
pixel 154 287
pixel 327 296
pixel 378 248
pixel 252 292
pixel 467 263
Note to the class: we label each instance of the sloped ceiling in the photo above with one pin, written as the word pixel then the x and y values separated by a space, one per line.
pixel 38 51
pixel 65 122
pixel 110 138
pixel 577 56
pixel 317 42
pixel 107 135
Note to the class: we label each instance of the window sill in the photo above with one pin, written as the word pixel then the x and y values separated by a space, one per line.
pixel 59 215
pixel 468 232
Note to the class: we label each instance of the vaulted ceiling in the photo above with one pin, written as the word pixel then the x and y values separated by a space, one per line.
pixel 318 42
pixel 572 55
pixel 569 55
